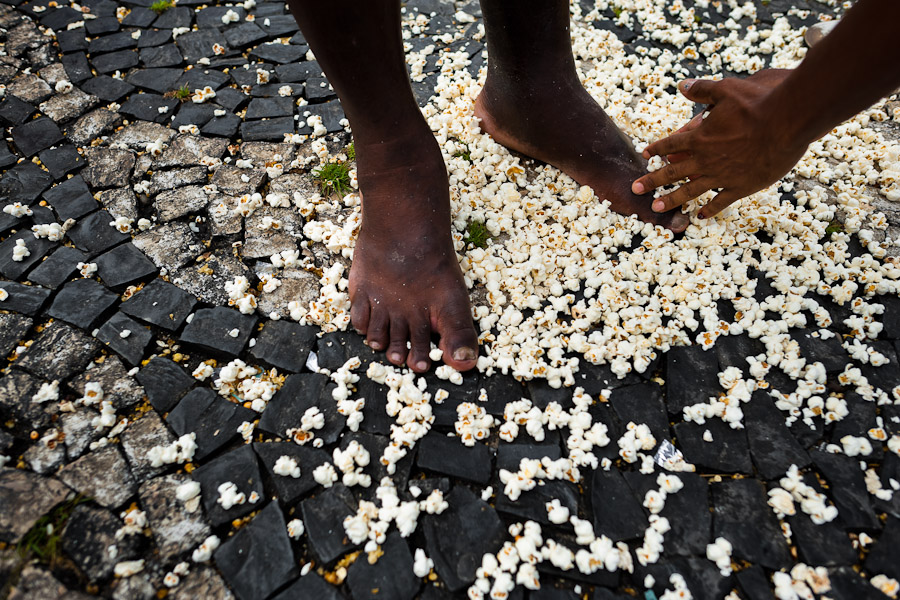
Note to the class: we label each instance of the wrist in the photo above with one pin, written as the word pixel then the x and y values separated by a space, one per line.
pixel 794 123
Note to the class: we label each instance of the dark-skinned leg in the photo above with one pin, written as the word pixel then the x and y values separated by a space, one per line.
pixel 405 281
pixel 534 103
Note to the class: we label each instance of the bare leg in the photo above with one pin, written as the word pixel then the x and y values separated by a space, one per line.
pixel 405 282
pixel 533 102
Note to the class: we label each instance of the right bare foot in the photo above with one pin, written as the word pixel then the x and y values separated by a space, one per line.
pixel 405 281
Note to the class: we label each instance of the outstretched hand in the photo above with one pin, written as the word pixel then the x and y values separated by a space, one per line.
pixel 739 146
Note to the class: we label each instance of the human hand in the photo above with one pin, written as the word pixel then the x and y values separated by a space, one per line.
pixel 740 145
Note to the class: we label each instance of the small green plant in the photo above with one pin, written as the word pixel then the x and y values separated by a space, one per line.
pixel 697 18
pixel 182 93
pixel 333 178
pixel 351 151
pixel 464 153
pixel 617 10
pixel 42 542
pixel 834 227
pixel 161 6
pixel 477 234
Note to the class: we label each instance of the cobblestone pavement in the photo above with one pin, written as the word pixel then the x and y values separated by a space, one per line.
pixel 121 386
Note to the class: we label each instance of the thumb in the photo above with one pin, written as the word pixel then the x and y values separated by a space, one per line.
pixel 701 91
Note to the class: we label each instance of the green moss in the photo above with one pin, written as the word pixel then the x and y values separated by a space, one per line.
pixel 477 234
pixel 351 151
pixel 42 542
pixel 333 178
pixel 161 6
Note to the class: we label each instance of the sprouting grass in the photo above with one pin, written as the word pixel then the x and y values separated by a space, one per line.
pixel 463 153
pixel 477 234
pixel 333 178
pixel 42 541
pixel 182 93
pixel 351 151
pixel 161 6
pixel 834 227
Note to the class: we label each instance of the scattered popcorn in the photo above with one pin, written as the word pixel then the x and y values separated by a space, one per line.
pixel 205 550
pixel 128 568
pixel 20 251
pixel 287 467
pixel 719 552
pixel 295 528
pixel 49 391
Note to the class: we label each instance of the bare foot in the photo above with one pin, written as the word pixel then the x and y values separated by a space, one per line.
pixel 564 127
pixel 405 281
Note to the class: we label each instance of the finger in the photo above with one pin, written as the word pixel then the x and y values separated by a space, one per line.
pixel 722 200
pixel 692 124
pixel 688 191
pixel 669 174
pixel 701 91
pixel 678 157
pixel 677 142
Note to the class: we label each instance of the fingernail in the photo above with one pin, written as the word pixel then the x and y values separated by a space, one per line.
pixel 422 365
pixel 686 84
pixel 638 187
pixel 463 353
pixel 659 206
pixel 701 216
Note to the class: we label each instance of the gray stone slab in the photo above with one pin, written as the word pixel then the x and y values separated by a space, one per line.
pixel 102 475
pixel 24 498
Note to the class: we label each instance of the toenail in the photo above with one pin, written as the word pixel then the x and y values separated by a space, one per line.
pixel 396 357
pixel 463 354
pixel 638 187
pixel 375 345
pixel 659 206
pixel 422 365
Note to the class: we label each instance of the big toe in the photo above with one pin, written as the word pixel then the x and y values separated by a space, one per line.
pixel 460 348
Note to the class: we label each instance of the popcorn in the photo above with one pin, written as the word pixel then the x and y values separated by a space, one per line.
pixel 422 565
pixel 205 550
pixel 18 210
pixel 286 467
pixel 325 475
pixel 20 251
pixel 295 528
pixel 49 391
pixel 229 495
pixel 472 424
pixel 207 93
pixel 128 568
pixel 180 451
pixel 719 552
